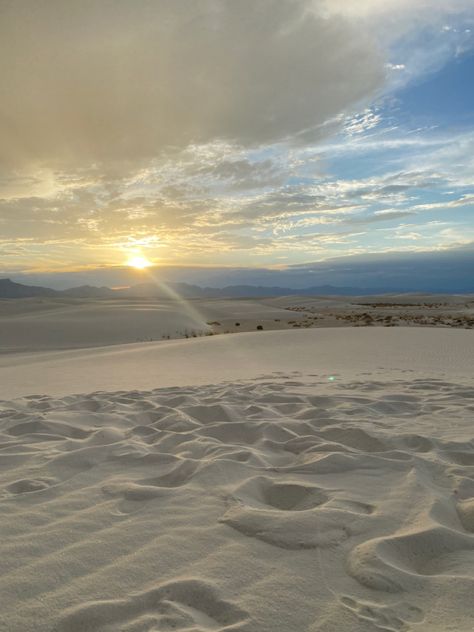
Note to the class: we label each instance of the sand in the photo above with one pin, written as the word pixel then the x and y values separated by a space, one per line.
pixel 46 324
pixel 42 324
pixel 282 481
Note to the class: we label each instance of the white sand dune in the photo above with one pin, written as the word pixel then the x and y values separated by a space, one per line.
pixel 318 480
pixel 347 352
pixel 44 324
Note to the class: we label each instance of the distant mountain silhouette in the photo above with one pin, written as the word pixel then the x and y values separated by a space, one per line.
pixel 237 291
pixel 254 291
pixel 10 289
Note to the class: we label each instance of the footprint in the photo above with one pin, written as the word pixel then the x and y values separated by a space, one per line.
pixel 384 617
pixel 281 495
pixel 465 509
pixel 355 438
pixel 179 475
pixel 415 443
pixel 188 604
pixel 133 492
pixel 293 497
pixel 27 485
pixel 403 562
pixel 287 514
pixel 307 532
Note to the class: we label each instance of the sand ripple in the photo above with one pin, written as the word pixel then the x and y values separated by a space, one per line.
pixel 281 504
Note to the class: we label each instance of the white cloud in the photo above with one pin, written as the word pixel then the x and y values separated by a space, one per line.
pixel 398 24
pixel 395 66
pixel 361 123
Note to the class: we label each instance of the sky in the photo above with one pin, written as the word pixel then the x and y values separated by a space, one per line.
pixel 255 141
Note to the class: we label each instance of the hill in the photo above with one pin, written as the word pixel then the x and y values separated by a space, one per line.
pixel 10 289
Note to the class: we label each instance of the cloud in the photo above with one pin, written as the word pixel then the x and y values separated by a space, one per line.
pixel 403 9
pixel 419 36
pixel 122 82
pixel 381 216
pixel 188 127
pixel 361 123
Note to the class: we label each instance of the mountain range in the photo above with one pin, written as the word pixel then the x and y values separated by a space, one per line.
pixel 10 289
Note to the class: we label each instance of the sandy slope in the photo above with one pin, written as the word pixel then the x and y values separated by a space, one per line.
pixel 46 324
pixel 241 488
pixel 348 352
pixel 53 324
pixel 41 324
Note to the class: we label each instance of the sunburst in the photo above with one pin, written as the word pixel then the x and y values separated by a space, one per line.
pixel 139 262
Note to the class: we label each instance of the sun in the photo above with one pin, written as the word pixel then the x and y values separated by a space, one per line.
pixel 139 262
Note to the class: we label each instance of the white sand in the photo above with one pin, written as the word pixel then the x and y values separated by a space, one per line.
pixel 42 324
pixel 316 480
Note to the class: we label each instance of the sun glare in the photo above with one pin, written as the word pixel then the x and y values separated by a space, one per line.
pixel 139 262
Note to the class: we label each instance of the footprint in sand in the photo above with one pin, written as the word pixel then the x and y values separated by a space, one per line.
pixel 178 476
pixel 265 493
pixel 405 562
pixel 465 510
pixel 290 514
pixel 188 604
pixel 148 488
pixel 28 485
pixel 132 493
pixel 390 619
